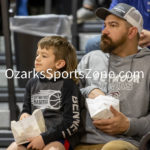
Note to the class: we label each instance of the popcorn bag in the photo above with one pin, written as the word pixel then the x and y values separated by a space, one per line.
pixel 29 127
pixel 99 108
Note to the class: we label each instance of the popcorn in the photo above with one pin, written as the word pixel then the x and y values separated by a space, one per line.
pixel 28 127
pixel 99 108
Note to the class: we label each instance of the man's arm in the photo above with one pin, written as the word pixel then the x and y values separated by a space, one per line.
pixel 94 93
pixel 120 124
pixel 91 62
pixel 139 126
pixel 85 86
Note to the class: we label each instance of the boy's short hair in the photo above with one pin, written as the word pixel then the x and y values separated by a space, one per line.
pixel 62 49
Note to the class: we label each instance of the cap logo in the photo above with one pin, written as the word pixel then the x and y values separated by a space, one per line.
pixel 119 10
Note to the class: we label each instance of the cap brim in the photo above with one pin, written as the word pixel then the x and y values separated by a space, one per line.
pixel 104 12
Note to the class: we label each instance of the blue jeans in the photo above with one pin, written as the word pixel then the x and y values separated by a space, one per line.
pixel 22 9
pixel 93 44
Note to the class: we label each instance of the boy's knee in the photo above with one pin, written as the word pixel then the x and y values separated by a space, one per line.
pixel 119 145
pixel 54 146
pixel 12 146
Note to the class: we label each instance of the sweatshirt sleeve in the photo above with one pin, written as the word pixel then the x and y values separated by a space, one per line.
pixel 139 126
pixel 71 114
pixel 27 98
pixel 85 74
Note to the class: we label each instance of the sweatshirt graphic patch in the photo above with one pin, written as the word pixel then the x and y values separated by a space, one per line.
pixel 47 99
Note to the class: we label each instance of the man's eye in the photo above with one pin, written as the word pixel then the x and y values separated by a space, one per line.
pixel 113 25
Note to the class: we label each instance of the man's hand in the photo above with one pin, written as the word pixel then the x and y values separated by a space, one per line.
pixel 115 125
pixel 24 115
pixel 144 38
pixel 94 93
pixel 36 143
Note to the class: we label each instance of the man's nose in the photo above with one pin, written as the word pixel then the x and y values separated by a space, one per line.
pixel 105 31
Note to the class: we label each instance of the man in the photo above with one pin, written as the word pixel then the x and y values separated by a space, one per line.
pixel 144 9
pixel 123 71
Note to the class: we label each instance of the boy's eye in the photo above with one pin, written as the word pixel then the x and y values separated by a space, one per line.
pixel 45 56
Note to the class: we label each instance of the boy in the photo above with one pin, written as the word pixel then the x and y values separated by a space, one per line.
pixel 59 100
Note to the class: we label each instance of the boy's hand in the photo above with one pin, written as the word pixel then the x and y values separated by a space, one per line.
pixel 36 143
pixel 24 115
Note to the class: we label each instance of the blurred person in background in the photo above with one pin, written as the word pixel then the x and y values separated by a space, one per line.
pixel 86 12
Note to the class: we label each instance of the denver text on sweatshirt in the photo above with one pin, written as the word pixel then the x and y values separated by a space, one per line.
pixel 59 101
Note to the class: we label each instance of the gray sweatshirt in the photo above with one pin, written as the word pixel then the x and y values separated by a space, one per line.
pixel 127 79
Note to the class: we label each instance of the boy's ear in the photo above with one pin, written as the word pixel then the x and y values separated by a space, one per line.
pixel 60 64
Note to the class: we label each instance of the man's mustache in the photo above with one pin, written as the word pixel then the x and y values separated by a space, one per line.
pixel 104 36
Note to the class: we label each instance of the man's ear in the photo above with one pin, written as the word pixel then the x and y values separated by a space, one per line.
pixel 132 32
pixel 60 64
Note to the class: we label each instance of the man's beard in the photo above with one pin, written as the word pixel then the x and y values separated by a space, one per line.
pixel 108 46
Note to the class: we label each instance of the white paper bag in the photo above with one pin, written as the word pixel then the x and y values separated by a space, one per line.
pixel 29 127
pixel 99 108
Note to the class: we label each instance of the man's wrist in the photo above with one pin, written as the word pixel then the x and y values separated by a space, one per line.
pixel 125 132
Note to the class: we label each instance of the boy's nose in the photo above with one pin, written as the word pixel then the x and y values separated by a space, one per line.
pixel 37 58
